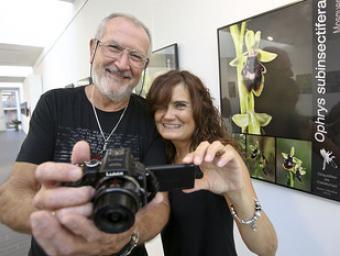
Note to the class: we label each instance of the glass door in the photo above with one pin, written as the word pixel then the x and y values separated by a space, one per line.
pixel 11 108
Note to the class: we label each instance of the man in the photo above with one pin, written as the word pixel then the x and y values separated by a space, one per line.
pixel 105 114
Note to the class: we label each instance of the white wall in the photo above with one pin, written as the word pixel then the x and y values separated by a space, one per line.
pixel 32 89
pixel 2 119
pixel 305 224
pixel 69 59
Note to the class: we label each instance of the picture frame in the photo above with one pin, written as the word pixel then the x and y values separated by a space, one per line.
pixel 162 60
pixel 279 88
pixel 24 109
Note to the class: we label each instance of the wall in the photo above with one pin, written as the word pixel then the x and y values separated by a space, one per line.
pixel 305 224
pixel 69 59
pixel 2 119
pixel 32 89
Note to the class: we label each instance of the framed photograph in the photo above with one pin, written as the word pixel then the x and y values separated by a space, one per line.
pixel 161 61
pixel 24 109
pixel 260 157
pixel 288 152
pixel 280 78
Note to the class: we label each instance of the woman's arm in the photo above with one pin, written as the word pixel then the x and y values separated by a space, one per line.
pixel 262 240
pixel 225 173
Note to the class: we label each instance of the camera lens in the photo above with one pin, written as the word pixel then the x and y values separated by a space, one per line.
pixel 115 217
pixel 114 210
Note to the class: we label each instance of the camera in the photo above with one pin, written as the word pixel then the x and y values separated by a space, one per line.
pixel 124 185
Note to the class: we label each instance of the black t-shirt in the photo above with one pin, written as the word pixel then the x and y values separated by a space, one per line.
pixel 64 116
pixel 200 225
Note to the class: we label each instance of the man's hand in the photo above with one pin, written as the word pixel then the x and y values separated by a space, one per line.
pixel 61 225
pixel 74 234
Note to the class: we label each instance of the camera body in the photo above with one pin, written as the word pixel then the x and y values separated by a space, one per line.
pixel 122 185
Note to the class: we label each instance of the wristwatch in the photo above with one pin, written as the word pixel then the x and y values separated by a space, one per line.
pixel 127 249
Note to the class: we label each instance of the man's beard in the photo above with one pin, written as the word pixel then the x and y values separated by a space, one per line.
pixel 104 84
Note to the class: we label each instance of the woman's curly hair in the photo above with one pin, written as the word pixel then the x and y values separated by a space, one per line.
pixel 208 121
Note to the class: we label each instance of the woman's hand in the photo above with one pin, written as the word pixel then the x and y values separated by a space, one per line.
pixel 225 173
pixel 221 165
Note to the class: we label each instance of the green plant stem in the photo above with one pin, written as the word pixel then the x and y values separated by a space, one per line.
pixel 238 38
pixel 254 126
pixel 257 171
pixel 291 180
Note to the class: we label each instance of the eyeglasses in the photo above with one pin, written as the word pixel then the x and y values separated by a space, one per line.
pixel 114 50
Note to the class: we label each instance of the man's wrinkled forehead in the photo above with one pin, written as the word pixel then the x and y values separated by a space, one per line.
pixel 121 28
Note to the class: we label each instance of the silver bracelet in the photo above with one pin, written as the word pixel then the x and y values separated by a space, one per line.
pixel 252 220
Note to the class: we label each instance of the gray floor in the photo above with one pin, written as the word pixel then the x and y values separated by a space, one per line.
pixel 11 243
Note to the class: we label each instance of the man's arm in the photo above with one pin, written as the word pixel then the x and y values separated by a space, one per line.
pixel 151 219
pixel 61 225
pixel 16 196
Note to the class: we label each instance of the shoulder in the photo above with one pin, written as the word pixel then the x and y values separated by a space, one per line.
pixel 62 96
pixel 64 92
pixel 138 100
pixel 139 104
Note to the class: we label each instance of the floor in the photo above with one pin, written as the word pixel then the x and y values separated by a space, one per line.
pixel 11 243
pixel 16 244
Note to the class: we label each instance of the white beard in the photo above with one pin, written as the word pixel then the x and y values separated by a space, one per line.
pixel 104 85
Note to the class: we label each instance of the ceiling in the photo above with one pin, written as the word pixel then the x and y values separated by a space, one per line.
pixel 16 54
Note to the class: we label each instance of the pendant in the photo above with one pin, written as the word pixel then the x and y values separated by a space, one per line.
pixel 105 146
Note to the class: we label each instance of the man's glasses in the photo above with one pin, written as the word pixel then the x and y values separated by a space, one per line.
pixel 114 50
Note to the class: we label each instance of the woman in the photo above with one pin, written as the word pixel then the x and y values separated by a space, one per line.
pixel 201 221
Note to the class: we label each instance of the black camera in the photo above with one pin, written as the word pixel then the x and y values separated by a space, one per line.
pixel 124 185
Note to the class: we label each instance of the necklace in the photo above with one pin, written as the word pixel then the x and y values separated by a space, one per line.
pixel 106 140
